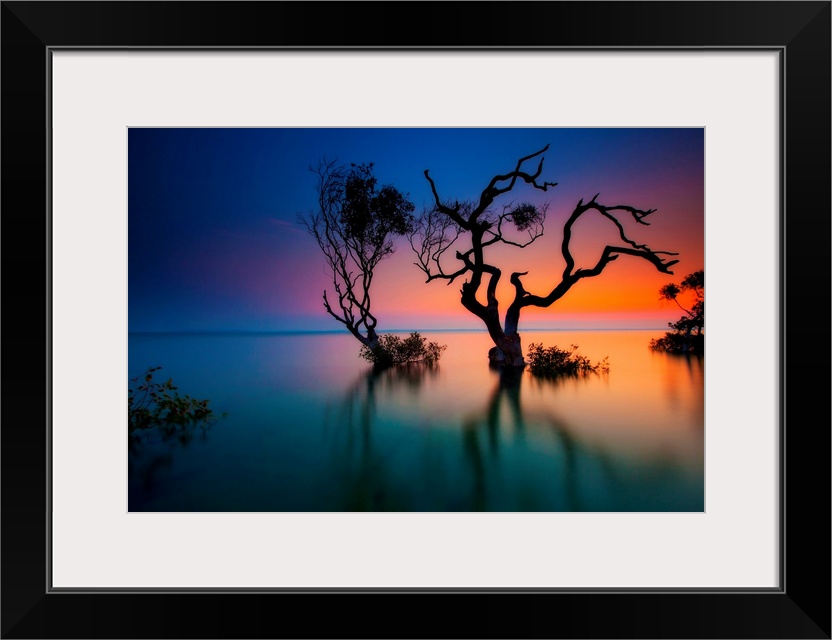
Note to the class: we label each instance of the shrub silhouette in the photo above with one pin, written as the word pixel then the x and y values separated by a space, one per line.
pixel 550 362
pixel 159 404
pixel 393 350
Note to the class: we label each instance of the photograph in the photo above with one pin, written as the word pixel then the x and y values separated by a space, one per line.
pixel 416 319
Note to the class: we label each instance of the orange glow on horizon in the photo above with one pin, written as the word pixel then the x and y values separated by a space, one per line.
pixel 626 292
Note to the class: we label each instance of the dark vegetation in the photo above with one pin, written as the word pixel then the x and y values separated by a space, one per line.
pixel 551 362
pixel 160 421
pixel 152 404
pixel 355 225
pixel 394 350
pixel 465 229
pixel 688 331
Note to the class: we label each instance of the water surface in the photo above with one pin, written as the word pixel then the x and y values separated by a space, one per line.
pixel 309 427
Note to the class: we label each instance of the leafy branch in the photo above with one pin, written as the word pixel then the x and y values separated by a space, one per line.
pixel 159 404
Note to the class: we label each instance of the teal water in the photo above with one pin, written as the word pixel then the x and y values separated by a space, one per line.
pixel 302 424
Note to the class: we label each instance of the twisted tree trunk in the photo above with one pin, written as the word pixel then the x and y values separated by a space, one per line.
pixel 442 225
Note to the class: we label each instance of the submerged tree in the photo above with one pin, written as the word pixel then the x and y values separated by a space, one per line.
pixel 355 225
pixel 682 339
pixel 474 226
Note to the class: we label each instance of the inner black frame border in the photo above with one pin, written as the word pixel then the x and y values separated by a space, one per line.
pixel 799 31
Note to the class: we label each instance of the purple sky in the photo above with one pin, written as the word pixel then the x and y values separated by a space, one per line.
pixel 214 244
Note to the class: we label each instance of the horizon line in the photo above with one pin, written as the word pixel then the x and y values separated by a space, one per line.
pixel 336 331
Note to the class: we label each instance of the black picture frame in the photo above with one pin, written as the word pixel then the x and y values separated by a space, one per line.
pixel 799 608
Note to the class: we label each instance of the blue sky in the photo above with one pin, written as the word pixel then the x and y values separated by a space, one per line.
pixel 214 242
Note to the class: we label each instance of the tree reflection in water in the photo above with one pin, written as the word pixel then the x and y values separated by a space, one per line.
pixel 360 466
pixel 369 468
pixel 506 394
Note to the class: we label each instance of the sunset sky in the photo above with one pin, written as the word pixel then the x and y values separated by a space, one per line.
pixel 214 242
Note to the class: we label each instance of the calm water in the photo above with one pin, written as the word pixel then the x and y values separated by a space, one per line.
pixel 309 428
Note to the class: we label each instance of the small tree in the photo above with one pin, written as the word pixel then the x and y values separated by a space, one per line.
pixel 683 339
pixel 355 225
pixel 474 226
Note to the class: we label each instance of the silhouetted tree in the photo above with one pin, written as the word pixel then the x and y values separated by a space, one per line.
pixel 682 339
pixel 445 223
pixel 355 225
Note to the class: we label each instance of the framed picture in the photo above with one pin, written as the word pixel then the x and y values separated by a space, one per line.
pixel 87 84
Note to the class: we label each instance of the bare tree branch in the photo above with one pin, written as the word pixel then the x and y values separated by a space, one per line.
pixel 484 228
pixel 432 235
pixel 492 190
pixel 451 212
pixel 642 250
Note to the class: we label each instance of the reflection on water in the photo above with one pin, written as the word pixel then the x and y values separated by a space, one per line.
pixel 310 428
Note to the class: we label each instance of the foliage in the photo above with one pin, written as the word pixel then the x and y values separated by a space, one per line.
pixel 369 215
pixel 394 350
pixel 525 216
pixel 679 342
pixel 683 339
pixel 553 362
pixel 159 404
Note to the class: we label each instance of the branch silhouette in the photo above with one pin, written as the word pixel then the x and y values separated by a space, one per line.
pixel 470 227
